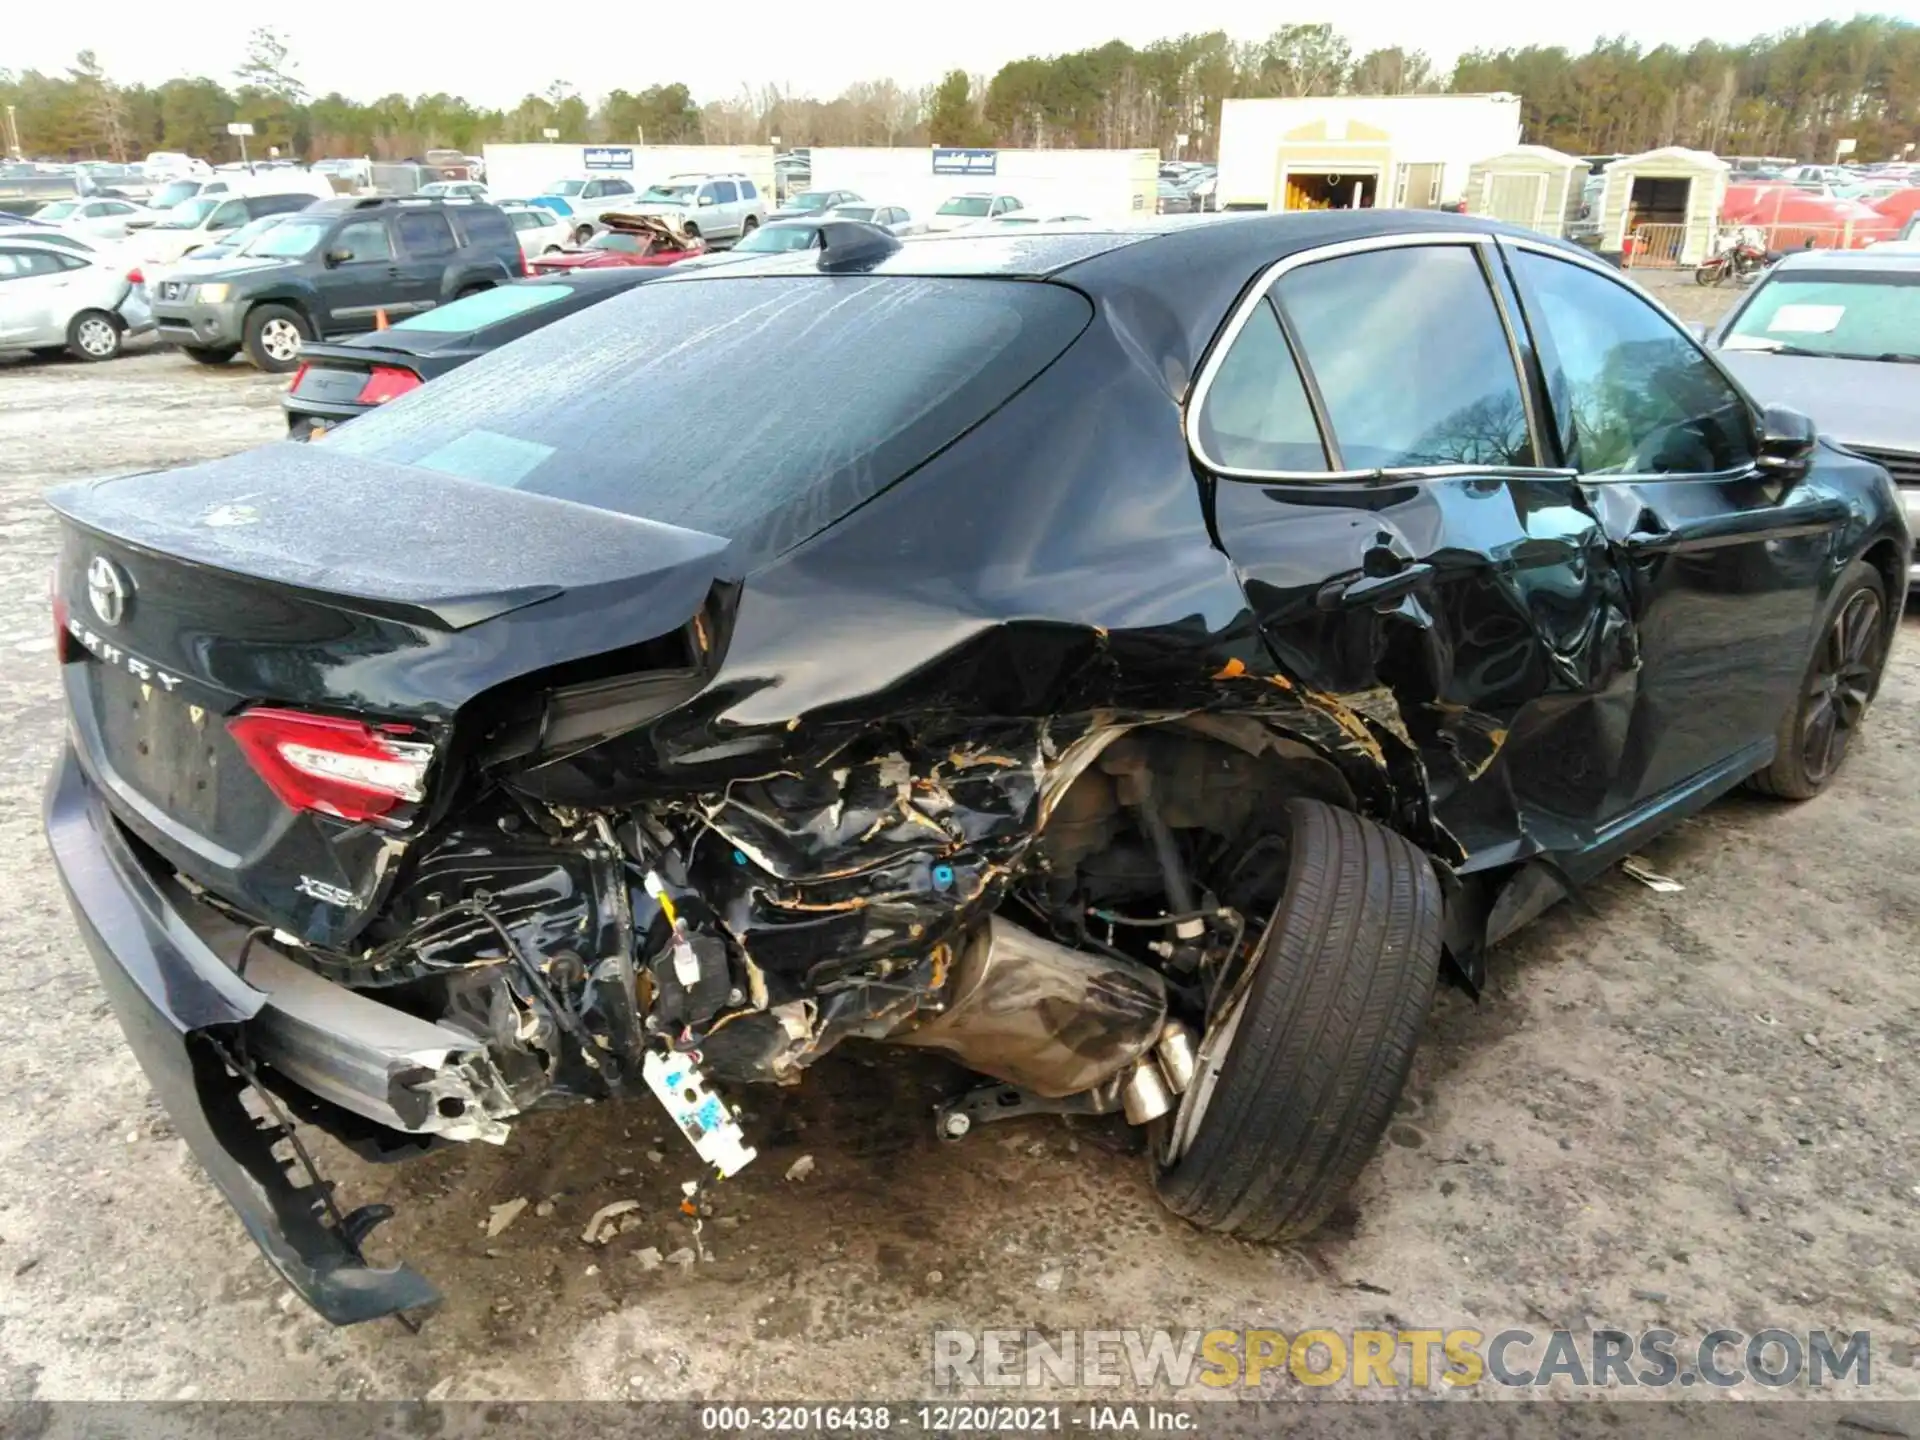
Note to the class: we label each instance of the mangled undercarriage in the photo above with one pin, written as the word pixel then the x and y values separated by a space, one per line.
pixel 1068 909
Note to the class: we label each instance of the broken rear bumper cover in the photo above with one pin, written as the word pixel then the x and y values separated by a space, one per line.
pixel 167 965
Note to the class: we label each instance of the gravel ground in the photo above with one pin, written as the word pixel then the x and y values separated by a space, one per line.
pixel 1687 1109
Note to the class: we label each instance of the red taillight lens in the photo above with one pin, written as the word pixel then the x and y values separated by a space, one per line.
pixel 525 267
pixel 134 277
pixel 387 382
pixel 336 767
pixel 62 637
pixel 298 376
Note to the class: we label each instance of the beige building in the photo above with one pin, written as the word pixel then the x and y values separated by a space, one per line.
pixel 1529 185
pixel 1668 201
pixel 1317 152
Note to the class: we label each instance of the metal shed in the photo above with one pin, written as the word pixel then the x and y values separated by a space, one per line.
pixel 1529 185
pixel 1667 201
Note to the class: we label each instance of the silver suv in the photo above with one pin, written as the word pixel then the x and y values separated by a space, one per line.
pixel 717 207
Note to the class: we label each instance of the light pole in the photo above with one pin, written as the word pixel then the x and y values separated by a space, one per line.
pixel 13 134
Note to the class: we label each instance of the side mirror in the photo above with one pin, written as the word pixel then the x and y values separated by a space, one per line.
pixel 706 200
pixel 338 257
pixel 1786 442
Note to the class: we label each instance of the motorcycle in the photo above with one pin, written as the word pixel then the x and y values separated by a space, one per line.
pixel 1742 260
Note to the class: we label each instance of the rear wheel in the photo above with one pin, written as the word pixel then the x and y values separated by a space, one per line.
pixel 273 337
pixel 93 335
pixel 465 290
pixel 1840 683
pixel 1298 1077
pixel 748 226
pixel 693 231
pixel 1709 274
pixel 582 234
pixel 208 355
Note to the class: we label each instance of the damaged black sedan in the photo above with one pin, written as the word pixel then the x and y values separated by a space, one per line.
pixel 1134 662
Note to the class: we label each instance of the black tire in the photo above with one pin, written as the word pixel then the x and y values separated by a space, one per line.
pixel 264 332
pixel 1324 1039
pixel 302 429
pixel 94 335
pixel 1709 274
pixel 582 234
pixel 748 226
pixel 1841 679
pixel 208 355
pixel 465 290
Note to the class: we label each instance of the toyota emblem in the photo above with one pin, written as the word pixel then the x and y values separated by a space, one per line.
pixel 109 589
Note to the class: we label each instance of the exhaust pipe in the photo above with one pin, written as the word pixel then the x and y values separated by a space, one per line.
pixel 1051 1020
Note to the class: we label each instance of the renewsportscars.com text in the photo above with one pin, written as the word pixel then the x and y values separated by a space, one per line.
pixel 1406 1359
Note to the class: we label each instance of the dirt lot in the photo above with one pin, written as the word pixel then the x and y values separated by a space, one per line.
pixel 1693 1109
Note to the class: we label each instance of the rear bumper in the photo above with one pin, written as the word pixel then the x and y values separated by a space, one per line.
pixel 135 313
pixel 163 962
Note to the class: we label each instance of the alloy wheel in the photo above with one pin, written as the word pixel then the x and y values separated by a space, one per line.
pixel 280 339
pixel 1841 685
pixel 96 337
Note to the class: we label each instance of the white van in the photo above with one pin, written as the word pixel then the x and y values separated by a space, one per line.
pixel 172 165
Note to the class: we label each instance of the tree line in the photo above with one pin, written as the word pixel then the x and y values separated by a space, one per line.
pixel 1795 93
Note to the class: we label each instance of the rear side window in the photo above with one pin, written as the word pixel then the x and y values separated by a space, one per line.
pixel 1411 359
pixel 228 215
pixel 747 192
pixel 425 234
pixel 486 228
pixel 1255 415
pixel 760 409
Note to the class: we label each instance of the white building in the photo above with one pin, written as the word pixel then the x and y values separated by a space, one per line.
pixel 1339 151
pixel 1100 184
pixel 523 171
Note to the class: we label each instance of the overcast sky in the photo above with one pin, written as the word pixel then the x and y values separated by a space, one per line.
pixel 811 48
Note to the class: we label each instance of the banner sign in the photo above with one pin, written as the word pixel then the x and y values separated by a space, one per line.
pixel 965 162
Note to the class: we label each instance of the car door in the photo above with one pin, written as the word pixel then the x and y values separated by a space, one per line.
pixel 1407 544
pixel 37 295
pixel 720 220
pixel 426 247
pixel 359 276
pixel 1726 560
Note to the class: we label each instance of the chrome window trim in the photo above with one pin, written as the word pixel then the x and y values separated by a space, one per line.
pixel 1644 477
pixel 1250 302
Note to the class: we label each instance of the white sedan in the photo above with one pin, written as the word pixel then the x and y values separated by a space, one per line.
pixel 1013 219
pixel 107 219
pixel 53 298
pixel 896 218
pixel 539 230
pixel 454 190
pixel 970 207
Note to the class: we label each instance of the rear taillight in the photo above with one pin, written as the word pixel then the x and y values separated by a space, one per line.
pixel 298 376
pixel 387 382
pixel 336 767
pixel 63 643
pixel 525 267
pixel 134 277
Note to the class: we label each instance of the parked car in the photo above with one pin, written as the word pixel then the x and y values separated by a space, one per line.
pixel 708 207
pixel 1172 198
pixel 454 190
pixel 629 240
pixel 583 202
pixel 1837 334
pixel 207 219
pixel 173 165
pixel 451 165
pixel 780 237
pixel 887 651
pixel 235 242
pixel 55 299
pixel 332 270
pixel 970 208
pixel 812 204
pixel 1013 219
pixel 337 381
pixel 106 219
pixel 540 230
pixel 894 218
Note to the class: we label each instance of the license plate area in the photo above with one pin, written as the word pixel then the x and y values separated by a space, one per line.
pixel 175 754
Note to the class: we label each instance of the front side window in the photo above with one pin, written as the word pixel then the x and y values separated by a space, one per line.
pixel 724 192
pixel 971 207
pixel 1632 394
pixel 1255 415
pixel 615 187
pixel 364 240
pixel 425 234
pixel 228 215
pixel 1411 358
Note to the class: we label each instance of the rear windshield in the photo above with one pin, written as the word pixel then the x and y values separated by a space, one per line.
pixel 489 307
pixel 759 409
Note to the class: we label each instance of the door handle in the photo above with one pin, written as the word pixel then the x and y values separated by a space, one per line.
pixel 1370 590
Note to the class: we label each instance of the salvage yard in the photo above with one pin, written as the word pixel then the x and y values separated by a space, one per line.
pixel 1688 1109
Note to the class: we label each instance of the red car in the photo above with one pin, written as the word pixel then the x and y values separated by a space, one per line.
pixel 628 240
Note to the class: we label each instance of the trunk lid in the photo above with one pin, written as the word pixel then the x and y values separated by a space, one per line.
pixel 293 578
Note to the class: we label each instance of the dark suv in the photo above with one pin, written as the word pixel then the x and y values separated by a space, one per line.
pixel 334 269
